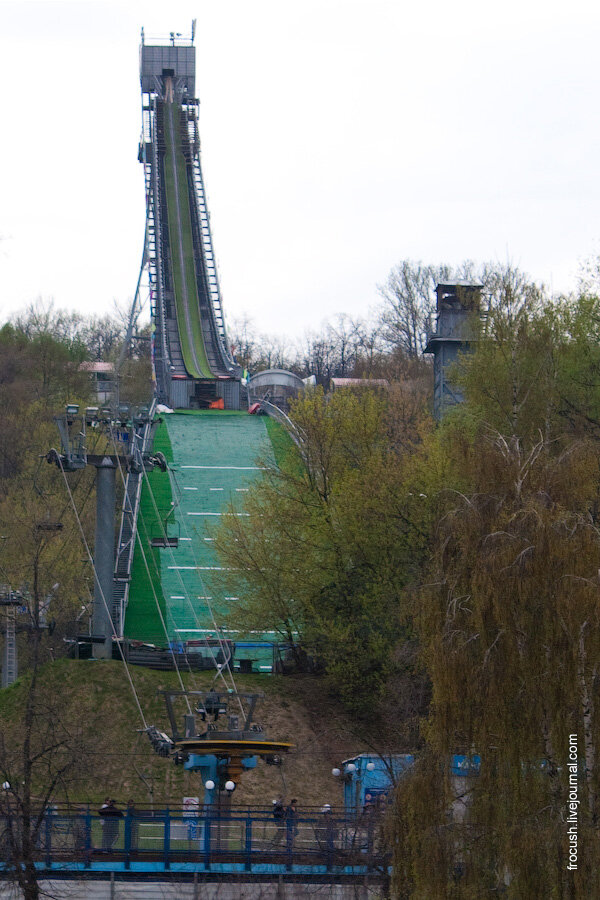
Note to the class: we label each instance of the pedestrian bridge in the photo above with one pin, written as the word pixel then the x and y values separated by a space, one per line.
pixel 239 843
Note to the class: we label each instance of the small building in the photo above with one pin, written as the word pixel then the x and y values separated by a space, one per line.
pixel 277 386
pixel 103 377
pixel 368 778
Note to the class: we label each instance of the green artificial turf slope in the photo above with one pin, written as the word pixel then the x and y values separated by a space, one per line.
pixel 143 617
pixel 180 234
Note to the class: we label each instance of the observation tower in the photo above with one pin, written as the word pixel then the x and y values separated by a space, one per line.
pixel 457 304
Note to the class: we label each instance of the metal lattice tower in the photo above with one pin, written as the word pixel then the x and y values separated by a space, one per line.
pixel 10 600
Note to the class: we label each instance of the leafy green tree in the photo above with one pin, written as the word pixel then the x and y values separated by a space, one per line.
pixel 510 381
pixel 579 365
pixel 334 541
pixel 508 617
pixel 509 633
pixel 37 375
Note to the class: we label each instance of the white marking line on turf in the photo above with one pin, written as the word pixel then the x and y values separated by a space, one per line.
pixel 195 630
pixel 236 468
pixel 216 514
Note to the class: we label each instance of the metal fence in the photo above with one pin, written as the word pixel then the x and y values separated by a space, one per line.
pixel 241 838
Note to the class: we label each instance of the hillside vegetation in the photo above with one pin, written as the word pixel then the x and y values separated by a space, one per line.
pixel 95 699
pixel 438 586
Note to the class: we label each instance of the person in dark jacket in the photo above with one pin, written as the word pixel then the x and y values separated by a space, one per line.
pixel 291 823
pixel 326 832
pixel 279 816
pixel 110 823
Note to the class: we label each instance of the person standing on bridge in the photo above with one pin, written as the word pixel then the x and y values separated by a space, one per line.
pixel 110 824
pixel 291 823
pixel 279 816
pixel 327 833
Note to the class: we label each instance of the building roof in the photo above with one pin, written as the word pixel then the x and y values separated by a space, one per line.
pixel 359 382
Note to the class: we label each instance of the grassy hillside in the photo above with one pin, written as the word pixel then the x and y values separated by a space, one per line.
pixel 97 696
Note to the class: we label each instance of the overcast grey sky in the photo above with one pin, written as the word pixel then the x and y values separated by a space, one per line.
pixel 337 139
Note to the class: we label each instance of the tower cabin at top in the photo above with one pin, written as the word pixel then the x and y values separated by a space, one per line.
pixel 456 306
pixel 176 60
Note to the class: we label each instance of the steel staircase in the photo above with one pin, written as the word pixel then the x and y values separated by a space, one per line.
pixel 128 529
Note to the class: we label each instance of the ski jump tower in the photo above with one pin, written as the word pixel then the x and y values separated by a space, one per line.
pixel 192 364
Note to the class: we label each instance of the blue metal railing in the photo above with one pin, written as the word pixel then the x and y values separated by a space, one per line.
pixel 239 841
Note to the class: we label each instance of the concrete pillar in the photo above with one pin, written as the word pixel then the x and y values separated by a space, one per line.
pixel 104 557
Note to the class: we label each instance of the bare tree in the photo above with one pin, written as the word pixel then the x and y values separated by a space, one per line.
pixel 243 340
pixel 99 337
pixel 409 309
pixel 369 356
pixel 409 294
pixel 273 352
pixel 508 292
pixel 347 335
pixel 39 751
